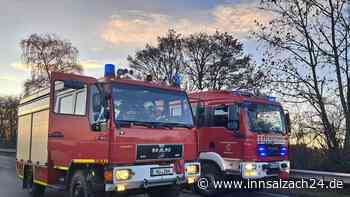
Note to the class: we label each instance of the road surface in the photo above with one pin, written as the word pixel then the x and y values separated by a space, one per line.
pixel 11 187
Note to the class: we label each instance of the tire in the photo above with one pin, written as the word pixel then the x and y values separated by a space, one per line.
pixel 168 191
pixel 209 172
pixel 80 186
pixel 34 190
pixel 37 190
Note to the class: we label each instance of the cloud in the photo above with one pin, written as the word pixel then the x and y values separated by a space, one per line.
pixel 91 64
pixel 239 20
pixel 136 28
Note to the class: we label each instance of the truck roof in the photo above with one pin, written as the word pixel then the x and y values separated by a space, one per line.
pixel 149 84
pixel 224 96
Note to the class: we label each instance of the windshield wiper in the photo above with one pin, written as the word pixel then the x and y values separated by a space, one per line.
pixel 181 125
pixel 131 122
pixel 162 125
pixel 146 124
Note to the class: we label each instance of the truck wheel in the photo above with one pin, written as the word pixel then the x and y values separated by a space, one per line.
pixel 79 186
pixel 34 190
pixel 209 173
pixel 169 191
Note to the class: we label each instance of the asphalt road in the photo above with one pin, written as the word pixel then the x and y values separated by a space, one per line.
pixel 11 187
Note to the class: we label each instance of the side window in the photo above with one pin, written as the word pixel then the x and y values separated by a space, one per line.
pixel 97 111
pixel 220 116
pixel 65 104
pixel 68 100
pixel 80 103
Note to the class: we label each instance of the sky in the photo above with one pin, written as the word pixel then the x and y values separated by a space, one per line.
pixel 107 31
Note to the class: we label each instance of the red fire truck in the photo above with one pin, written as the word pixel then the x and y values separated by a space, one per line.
pixel 93 138
pixel 240 134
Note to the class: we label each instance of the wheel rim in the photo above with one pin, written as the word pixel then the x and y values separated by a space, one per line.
pixel 78 190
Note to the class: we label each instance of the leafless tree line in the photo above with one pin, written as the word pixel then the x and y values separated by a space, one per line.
pixel 307 54
pixel 204 61
pixel 8 121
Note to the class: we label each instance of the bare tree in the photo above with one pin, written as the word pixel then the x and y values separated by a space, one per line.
pixel 218 62
pixel 8 120
pixel 199 51
pixel 307 52
pixel 163 62
pixel 230 67
pixel 47 53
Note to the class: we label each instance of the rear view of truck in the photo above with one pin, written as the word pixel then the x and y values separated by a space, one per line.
pixel 92 138
pixel 32 141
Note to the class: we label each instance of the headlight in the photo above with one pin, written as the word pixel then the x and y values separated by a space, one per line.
pixel 192 169
pixel 250 166
pixel 122 175
pixel 249 170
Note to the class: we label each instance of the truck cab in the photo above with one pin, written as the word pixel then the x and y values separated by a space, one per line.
pixel 242 135
pixel 95 137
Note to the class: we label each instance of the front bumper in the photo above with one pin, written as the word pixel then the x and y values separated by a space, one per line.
pixel 142 179
pixel 259 170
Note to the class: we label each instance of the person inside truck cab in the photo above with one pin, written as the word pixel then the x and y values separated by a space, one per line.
pixel 154 111
pixel 125 111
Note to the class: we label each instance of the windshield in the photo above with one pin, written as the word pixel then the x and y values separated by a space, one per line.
pixel 139 104
pixel 265 118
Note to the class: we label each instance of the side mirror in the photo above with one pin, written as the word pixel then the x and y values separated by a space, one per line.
pixel 233 118
pixel 288 123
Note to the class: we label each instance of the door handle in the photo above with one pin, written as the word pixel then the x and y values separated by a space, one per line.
pixel 56 134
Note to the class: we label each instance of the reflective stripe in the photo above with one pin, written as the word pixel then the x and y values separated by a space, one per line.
pixel 84 161
pixel 40 183
pixel 87 161
pixel 61 168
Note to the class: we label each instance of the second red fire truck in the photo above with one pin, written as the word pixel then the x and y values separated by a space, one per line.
pixel 240 134
pixel 93 138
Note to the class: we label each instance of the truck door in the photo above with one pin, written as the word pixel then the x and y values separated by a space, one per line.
pixel 223 139
pixel 71 136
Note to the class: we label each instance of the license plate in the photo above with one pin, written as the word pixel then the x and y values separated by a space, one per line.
pixel 161 171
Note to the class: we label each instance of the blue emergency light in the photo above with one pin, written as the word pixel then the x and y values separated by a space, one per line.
pixel 177 80
pixel 283 151
pixel 262 150
pixel 109 70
